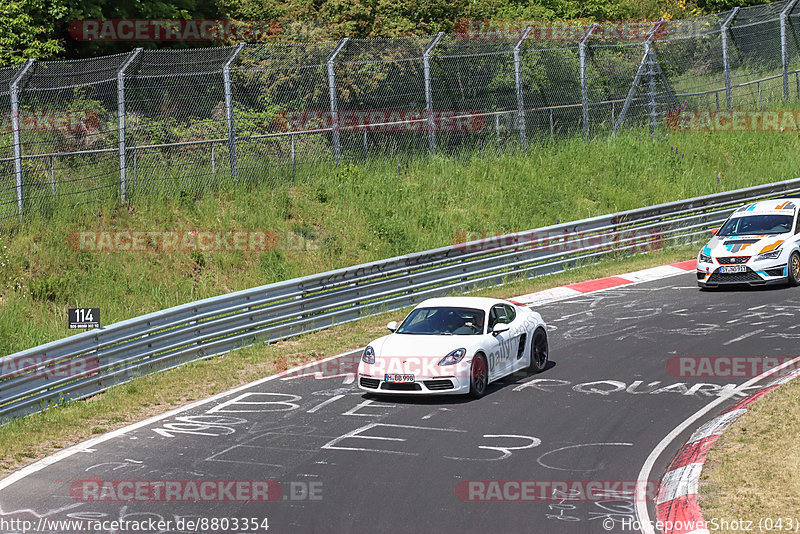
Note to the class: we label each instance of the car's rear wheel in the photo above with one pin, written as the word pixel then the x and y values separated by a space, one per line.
pixel 539 351
pixel 478 376
pixel 794 270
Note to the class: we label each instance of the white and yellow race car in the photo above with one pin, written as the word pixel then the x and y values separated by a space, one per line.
pixel 758 244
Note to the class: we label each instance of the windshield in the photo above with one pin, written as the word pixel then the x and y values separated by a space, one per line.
pixel 757 225
pixel 443 321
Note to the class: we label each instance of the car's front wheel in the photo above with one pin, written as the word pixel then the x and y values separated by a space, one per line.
pixel 478 376
pixel 794 270
pixel 539 351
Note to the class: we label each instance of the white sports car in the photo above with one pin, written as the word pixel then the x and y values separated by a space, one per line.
pixel 454 345
pixel 759 244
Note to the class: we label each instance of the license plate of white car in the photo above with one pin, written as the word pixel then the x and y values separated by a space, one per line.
pixel 398 378
pixel 733 269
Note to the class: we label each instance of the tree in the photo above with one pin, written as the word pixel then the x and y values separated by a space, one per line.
pixel 27 29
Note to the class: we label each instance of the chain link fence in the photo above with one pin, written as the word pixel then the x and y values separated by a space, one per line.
pixel 175 122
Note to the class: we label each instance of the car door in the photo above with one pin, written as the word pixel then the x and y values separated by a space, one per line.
pixel 521 341
pixel 503 346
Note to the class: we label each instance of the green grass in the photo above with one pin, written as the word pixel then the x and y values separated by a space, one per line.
pixel 753 471
pixel 336 217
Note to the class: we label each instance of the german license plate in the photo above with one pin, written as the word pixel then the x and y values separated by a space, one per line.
pixel 733 269
pixel 398 378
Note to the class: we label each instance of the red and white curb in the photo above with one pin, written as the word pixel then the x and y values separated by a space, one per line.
pixel 677 506
pixel 573 290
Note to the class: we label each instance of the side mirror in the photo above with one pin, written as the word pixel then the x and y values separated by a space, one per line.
pixel 392 326
pixel 499 328
pixel 714 231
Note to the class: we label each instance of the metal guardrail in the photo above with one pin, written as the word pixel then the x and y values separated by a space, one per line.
pixel 88 363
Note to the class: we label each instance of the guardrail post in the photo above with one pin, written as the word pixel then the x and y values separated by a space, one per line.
pixel 226 78
pixel 123 151
pixel 518 83
pixel 15 129
pixel 637 79
pixel 426 63
pixel 337 144
pixel 584 80
pixel 726 64
pixel 784 47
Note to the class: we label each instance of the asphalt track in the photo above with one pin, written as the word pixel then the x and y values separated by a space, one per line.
pixel 347 462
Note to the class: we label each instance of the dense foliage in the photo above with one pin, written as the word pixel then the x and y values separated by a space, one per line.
pixel 39 28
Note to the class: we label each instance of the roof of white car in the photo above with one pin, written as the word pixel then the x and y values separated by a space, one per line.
pixel 768 206
pixel 462 302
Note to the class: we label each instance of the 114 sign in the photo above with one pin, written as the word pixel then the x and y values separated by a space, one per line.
pixel 84 318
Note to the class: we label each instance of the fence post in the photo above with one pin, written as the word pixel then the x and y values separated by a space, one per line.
pixel 584 81
pixel 726 64
pixel 15 129
pixel 497 131
pixel 518 82
pixel 637 79
pixel 294 162
pixel 337 144
pixel 784 48
pixel 426 63
pixel 123 151
pixel 53 174
pixel 226 79
pixel 652 62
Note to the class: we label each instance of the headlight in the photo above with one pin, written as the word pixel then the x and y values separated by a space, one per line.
pixel 704 259
pixel 454 357
pixel 771 255
pixel 369 355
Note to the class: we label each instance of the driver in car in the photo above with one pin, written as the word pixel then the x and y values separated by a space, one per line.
pixel 468 325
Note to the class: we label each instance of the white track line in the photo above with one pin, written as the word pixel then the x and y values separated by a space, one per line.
pixel 642 514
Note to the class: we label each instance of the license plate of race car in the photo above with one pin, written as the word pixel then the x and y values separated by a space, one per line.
pixel 733 269
pixel 398 378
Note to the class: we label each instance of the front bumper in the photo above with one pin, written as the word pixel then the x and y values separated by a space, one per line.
pixel 776 274
pixel 433 385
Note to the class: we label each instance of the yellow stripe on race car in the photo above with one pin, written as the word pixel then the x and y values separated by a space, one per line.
pixel 771 247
